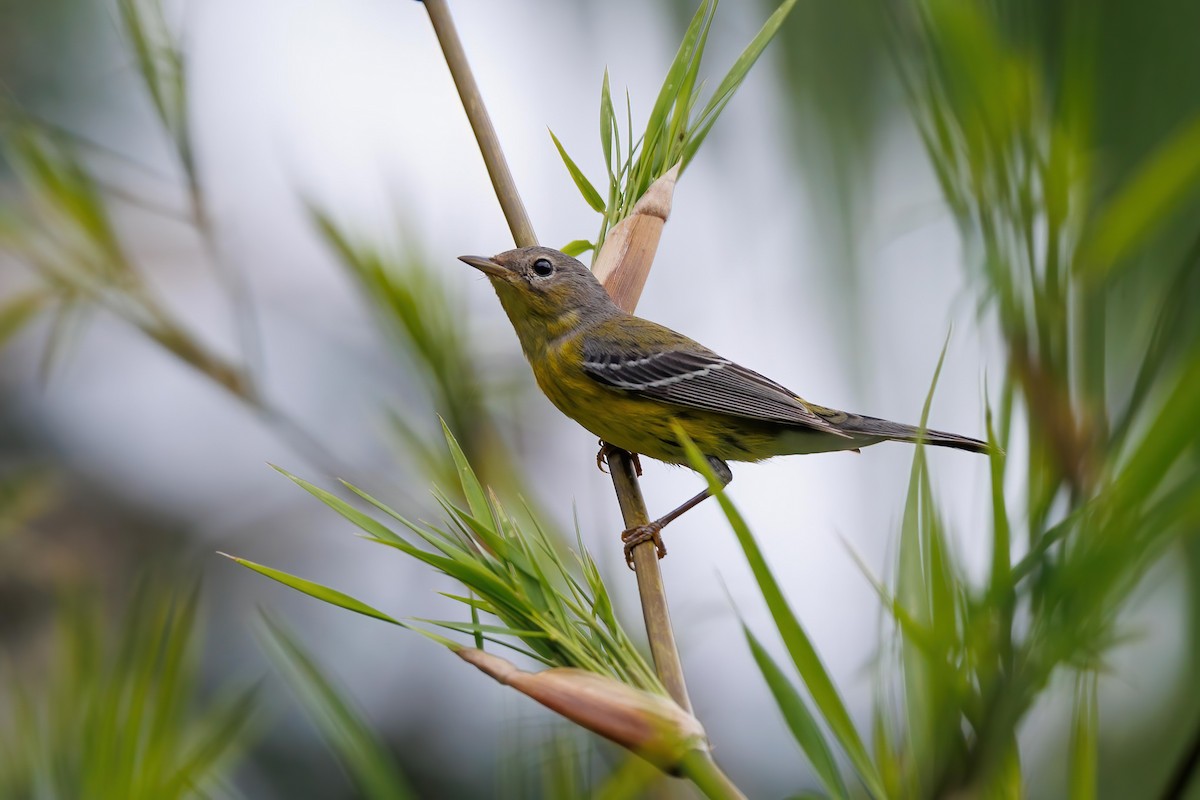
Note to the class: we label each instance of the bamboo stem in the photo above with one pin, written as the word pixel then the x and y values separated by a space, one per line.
pixel 633 508
pixel 700 768
pixel 655 611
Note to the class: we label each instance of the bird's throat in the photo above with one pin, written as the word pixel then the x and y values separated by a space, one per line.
pixel 537 328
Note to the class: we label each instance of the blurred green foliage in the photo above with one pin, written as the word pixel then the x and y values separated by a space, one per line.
pixel 343 726
pixel 1060 237
pixel 119 711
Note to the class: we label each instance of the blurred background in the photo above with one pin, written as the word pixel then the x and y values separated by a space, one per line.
pixel 294 230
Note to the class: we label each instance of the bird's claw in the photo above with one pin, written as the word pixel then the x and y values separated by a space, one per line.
pixel 650 532
pixel 607 449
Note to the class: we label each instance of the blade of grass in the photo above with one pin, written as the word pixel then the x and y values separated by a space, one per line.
pixel 577 247
pixel 342 725
pixel 799 719
pixel 358 518
pixel 1085 730
pixel 585 186
pixel 316 590
pixel 472 488
pixel 799 646
pixel 734 78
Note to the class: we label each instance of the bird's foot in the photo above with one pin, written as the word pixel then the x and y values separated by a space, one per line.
pixel 607 449
pixel 650 532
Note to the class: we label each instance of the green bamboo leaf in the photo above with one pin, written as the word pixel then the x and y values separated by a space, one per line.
pixel 799 645
pixel 19 311
pixel 342 725
pixel 1146 202
pixel 477 628
pixel 482 532
pixel 372 526
pixel 1001 538
pixel 56 176
pixel 734 78
pixel 158 62
pixel 1162 444
pixel 472 488
pixel 474 610
pixel 927 593
pixel 174 663
pixel 1085 734
pixel 219 729
pixel 799 719
pixel 577 247
pixel 607 122
pixel 384 507
pixel 686 96
pixel 144 52
pixel 320 592
pixel 585 187
pixel 885 751
pixel 656 136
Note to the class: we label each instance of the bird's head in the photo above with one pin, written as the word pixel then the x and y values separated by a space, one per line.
pixel 538 285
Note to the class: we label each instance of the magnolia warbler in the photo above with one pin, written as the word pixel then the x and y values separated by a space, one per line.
pixel 630 381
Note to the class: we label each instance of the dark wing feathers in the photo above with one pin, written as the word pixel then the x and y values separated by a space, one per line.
pixel 696 378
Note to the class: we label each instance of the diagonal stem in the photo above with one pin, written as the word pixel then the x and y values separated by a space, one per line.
pixel 650 583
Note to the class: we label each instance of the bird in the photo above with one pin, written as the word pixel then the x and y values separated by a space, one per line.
pixel 634 383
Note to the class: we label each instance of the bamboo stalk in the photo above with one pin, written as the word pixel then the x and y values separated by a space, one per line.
pixel 699 767
pixel 653 593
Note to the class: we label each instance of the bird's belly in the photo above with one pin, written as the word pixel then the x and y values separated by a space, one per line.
pixel 630 423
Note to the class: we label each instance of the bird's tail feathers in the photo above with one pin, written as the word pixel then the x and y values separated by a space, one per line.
pixel 898 432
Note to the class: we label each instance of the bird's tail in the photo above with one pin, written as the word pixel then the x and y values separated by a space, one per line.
pixel 897 432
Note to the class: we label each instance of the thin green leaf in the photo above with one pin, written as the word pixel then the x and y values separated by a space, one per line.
pixel 498 630
pixel 342 725
pixel 577 247
pixel 668 94
pixel 607 122
pixel 585 187
pixel 320 592
pixel 372 526
pixel 799 645
pixel 224 722
pixel 1147 201
pixel 474 609
pixel 734 78
pixel 18 312
pixel 798 717
pixel 472 488
pixel 1085 734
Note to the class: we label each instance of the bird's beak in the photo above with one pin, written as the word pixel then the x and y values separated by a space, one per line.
pixel 485 265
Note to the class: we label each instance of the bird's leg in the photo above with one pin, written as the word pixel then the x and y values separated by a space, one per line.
pixel 652 531
pixel 607 449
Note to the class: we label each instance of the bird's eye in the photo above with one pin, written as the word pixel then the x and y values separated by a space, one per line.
pixel 542 267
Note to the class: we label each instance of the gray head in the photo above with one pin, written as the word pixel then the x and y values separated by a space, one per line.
pixel 543 283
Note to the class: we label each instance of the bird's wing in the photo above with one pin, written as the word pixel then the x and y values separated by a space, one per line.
pixel 669 367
